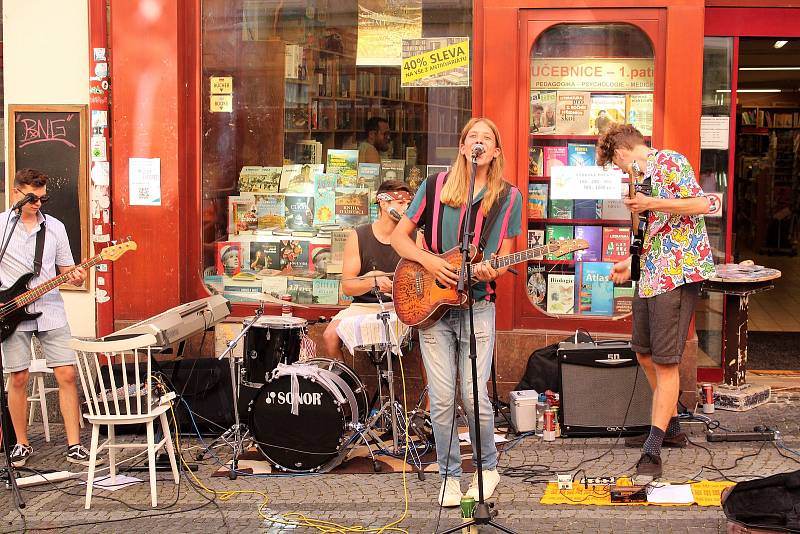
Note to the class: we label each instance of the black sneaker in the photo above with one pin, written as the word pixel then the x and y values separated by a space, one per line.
pixel 679 440
pixel 20 454
pixel 78 454
pixel 649 465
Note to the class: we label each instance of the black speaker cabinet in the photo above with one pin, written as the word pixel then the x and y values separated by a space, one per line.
pixel 604 392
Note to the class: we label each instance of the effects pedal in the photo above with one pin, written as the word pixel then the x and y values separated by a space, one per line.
pixel 599 481
pixel 564 482
pixel 628 494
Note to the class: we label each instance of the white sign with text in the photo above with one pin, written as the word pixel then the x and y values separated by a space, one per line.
pixel 590 182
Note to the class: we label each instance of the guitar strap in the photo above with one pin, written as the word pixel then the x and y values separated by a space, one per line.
pixel 486 229
pixel 37 258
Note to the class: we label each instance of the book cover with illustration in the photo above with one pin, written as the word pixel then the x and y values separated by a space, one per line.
pixel 242 217
pixel 543 112
pixel 537 285
pixel 299 211
pixel 393 169
pixel 301 290
pixel 594 292
pixel 352 206
pixel 616 243
pixel 572 113
pixel 431 170
pixel 554 156
pixel 536 239
pixel 324 198
pixel 537 201
pixel 560 208
pixel 265 255
pixel 345 164
pixel 294 254
pixel 325 291
pixel 558 232
pixel 581 154
pixel 299 179
pixel 308 151
pixel 606 110
pixel 586 208
pixel 640 112
pixel 257 179
pixel 561 293
pixel 319 255
pixel 270 210
pixel 228 257
pixel 536 161
pixel 369 175
pixel 623 298
pixel 594 235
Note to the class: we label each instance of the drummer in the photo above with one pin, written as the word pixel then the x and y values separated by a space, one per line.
pixel 368 252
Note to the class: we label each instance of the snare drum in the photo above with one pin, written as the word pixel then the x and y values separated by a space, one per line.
pixel 328 400
pixel 270 341
pixel 366 332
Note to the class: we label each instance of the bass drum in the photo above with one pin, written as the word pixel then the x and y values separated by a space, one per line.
pixel 328 400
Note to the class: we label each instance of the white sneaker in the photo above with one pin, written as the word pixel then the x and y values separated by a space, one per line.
pixel 450 493
pixel 491 478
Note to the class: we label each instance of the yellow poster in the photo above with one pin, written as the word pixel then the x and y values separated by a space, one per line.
pixel 382 26
pixel 221 103
pixel 221 85
pixel 435 62
pixel 592 74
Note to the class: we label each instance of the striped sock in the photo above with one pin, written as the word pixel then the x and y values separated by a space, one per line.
pixel 652 444
pixel 674 427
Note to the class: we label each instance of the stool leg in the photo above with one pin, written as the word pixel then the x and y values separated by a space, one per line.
pixel 39 381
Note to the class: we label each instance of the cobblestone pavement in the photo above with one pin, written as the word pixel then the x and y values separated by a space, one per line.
pixel 375 500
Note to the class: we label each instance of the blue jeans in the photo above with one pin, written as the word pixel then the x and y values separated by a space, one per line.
pixel 445 352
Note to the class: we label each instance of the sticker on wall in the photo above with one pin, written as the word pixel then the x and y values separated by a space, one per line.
pixel 101 296
pixel 221 104
pixel 714 204
pixel 99 54
pixel 144 181
pixel 98 148
pixel 101 281
pixel 101 70
pixel 99 118
pixel 102 238
pixel 100 173
pixel 435 62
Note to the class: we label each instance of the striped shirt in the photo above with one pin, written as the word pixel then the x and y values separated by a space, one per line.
pixel 507 224
pixel 18 261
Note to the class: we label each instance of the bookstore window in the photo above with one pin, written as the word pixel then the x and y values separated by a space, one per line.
pixel 288 167
pixel 583 79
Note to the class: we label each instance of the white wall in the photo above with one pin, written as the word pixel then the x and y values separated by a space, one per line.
pixel 46 61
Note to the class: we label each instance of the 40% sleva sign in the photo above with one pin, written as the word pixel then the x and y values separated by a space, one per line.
pixel 435 61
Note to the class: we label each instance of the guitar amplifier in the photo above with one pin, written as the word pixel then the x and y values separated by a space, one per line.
pixel 603 390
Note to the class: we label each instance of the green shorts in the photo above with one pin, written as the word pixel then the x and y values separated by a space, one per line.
pixel 661 323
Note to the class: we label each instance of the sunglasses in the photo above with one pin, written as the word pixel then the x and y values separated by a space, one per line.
pixel 42 199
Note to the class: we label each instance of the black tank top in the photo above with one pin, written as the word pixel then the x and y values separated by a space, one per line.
pixel 375 256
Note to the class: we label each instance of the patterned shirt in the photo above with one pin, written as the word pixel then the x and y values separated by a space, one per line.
pixel 676 249
pixel 19 260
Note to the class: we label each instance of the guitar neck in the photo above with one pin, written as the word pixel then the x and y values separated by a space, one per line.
pixel 525 255
pixel 32 295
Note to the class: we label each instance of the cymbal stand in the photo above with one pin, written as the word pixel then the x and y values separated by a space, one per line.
pixel 234 436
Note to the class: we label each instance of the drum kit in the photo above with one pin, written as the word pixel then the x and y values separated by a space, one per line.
pixel 306 414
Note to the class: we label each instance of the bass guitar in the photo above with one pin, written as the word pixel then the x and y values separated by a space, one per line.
pixel 638 227
pixel 421 300
pixel 14 299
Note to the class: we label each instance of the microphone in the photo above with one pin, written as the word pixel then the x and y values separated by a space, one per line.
pixel 478 149
pixel 27 198
pixel 394 214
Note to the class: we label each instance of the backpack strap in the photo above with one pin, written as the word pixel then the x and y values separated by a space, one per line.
pixel 37 258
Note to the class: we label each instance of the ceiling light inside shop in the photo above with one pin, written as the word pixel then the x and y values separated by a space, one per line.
pixel 769 68
pixel 750 90
pixel 780 44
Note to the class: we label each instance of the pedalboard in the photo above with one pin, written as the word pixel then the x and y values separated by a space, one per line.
pixel 599 481
pixel 628 494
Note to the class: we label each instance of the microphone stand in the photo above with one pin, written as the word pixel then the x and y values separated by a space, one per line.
pixel 9 473
pixel 383 315
pixel 483 513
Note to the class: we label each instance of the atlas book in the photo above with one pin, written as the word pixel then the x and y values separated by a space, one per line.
pixel 640 112
pixel 594 292
pixel 299 212
pixel 594 236
pixel 393 169
pixel 560 208
pixel 228 257
pixel 606 110
pixel 324 198
pixel 543 112
pixel 581 155
pixel 558 232
pixel 537 200
pixel 537 285
pixel 270 210
pixel 587 208
pixel 325 291
pixel 561 293
pixel 352 206
pixel 294 254
pixel 623 298
pixel 301 290
pixel 616 243
pixel 536 239
pixel 554 156
pixel 572 113
pixel 344 163
pixel 536 161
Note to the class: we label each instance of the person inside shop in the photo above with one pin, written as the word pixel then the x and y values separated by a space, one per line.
pixel 367 252
pixel 497 211
pixel 51 327
pixel 674 260
pixel 375 142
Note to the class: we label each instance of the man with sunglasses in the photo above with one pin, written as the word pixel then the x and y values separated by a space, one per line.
pixel 51 328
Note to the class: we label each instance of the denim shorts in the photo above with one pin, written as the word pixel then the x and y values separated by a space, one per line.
pixel 17 349
pixel 661 323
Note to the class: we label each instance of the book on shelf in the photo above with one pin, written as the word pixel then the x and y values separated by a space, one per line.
pixel 242 216
pixel 561 293
pixel 536 239
pixel 558 232
pixel 572 113
pixel 411 155
pixel 352 206
pixel 537 285
pixel 345 164
pixel 255 179
pixel 616 243
pixel 294 254
pixel 301 289
pixel 299 212
pixel 605 111
pixel 308 151
pixel 581 154
pixel 344 300
pixel 228 257
pixel 587 208
pixel 623 298
pixel 432 170
pixel 536 161
pixel 319 254
pixel 594 292
pixel 393 169
pixel 615 210
pixel 554 156
pixel 369 175
pixel 594 236
pixel 415 175
pixel 640 112
pixel 324 198
pixel 537 200
pixel 338 240
pixel 237 290
pixel 270 210
pixel 325 291
pixel 264 255
pixel 299 179
pixel 560 208
pixel 274 285
pixel 543 112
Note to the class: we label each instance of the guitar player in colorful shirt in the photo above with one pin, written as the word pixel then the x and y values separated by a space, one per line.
pixel 439 206
pixel 675 258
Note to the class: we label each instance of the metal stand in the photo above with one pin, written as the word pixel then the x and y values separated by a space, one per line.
pixel 483 513
pixel 235 435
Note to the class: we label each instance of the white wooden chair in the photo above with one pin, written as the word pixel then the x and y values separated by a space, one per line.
pixel 111 402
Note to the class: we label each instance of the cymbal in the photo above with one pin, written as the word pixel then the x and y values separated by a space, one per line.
pixel 369 276
pixel 265 297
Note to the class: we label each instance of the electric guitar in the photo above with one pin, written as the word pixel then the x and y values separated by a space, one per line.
pixel 638 227
pixel 14 299
pixel 421 300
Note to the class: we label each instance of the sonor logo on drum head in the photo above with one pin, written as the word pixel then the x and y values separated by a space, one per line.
pixel 285 397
